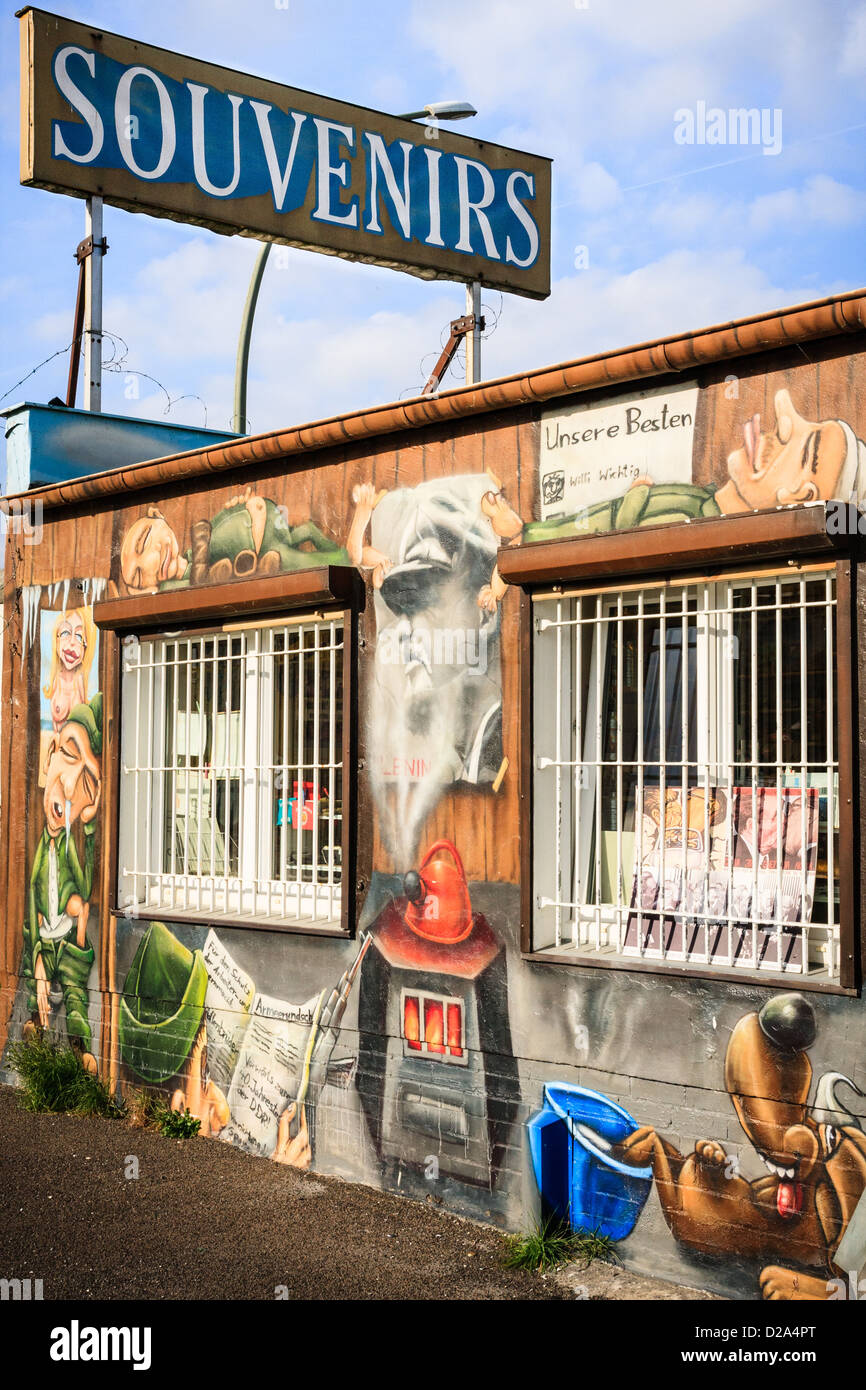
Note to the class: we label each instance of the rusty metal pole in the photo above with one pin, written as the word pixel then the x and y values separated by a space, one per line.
pixel 77 330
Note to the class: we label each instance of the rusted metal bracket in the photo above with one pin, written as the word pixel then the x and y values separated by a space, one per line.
pixel 459 328
pixel 87 247
pixel 84 249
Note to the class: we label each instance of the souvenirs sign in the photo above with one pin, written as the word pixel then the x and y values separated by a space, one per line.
pixel 153 131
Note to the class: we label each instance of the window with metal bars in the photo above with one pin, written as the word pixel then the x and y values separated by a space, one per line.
pixel 232 774
pixel 685 773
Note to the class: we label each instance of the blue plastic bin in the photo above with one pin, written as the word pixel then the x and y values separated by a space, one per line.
pixel 570 1141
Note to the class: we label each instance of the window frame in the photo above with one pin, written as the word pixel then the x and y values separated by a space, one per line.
pixel 709 548
pixel 325 590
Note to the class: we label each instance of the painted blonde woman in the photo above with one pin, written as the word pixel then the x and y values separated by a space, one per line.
pixel 71 659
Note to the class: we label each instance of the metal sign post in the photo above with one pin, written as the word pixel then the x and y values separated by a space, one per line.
pixel 473 337
pixel 93 306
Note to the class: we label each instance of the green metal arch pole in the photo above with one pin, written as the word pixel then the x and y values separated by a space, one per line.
pixel 437 111
pixel 239 418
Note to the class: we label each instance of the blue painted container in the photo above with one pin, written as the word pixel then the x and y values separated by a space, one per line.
pixel 570 1142
pixel 54 444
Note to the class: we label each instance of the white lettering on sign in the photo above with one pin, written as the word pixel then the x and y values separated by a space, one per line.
pixel 122 102
pixel 434 236
pixel 279 179
pixel 522 216
pixel 81 104
pixel 592 454
pixel 326 171
pixel 400 196
pixel 158 132
pixel 198 94
pixel 469 206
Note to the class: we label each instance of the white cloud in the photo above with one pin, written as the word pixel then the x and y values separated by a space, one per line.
pixel 853 55
pixel 305 367
pixel 822 201
pixel 598 310
pixel 596 189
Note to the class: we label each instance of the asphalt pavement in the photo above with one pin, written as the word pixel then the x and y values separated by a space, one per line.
pixel 203 1220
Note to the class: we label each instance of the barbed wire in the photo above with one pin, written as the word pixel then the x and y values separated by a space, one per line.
pixel 117 362
pixel 457 365
pixel 34 370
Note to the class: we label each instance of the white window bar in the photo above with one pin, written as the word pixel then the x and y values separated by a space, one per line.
pixel 701 748
pixel 235 739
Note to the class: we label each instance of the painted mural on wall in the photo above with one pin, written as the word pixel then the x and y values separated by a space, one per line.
pixel 572 1143
pixel 58 954
pixel 798 1214
pixel 778 461
pixel 246 1064
pixel 436 1070
pixel 435 712
pixel 61 926
pixel 249 538
pixel 423 1025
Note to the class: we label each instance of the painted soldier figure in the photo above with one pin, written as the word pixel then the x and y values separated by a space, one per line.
pixel 56 948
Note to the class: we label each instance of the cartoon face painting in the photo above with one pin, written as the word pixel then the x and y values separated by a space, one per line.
pixel 72 780
pixel 150 554
pixel 787 459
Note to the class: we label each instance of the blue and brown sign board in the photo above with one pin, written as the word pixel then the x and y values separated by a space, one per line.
pixel 153 131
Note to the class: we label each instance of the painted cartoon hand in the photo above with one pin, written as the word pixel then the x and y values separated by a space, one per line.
pixel 366 500
pixel 710 1154
pixel 638 1147
pixel 504 520
pixel 365 496
pixel 241 498
pixel 297 1152
pixel 81 912
pixel 788 1286
pixel 379 572
pixel 492 594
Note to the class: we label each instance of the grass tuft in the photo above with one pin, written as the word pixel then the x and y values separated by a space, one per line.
pixel 177 1124
pixel 144 1110
pixel 54 1078
pixel 552 1242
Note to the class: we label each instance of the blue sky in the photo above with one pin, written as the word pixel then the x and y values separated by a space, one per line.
pixel 676 236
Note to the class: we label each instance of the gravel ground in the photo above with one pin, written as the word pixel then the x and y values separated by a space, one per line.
pixel 204 1220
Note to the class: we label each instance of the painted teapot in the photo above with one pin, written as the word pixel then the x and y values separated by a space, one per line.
pixel 438 906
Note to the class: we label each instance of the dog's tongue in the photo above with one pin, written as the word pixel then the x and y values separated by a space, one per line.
pixel 789 1198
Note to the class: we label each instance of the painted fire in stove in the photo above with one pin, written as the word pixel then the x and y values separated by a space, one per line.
pixel 433 1014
